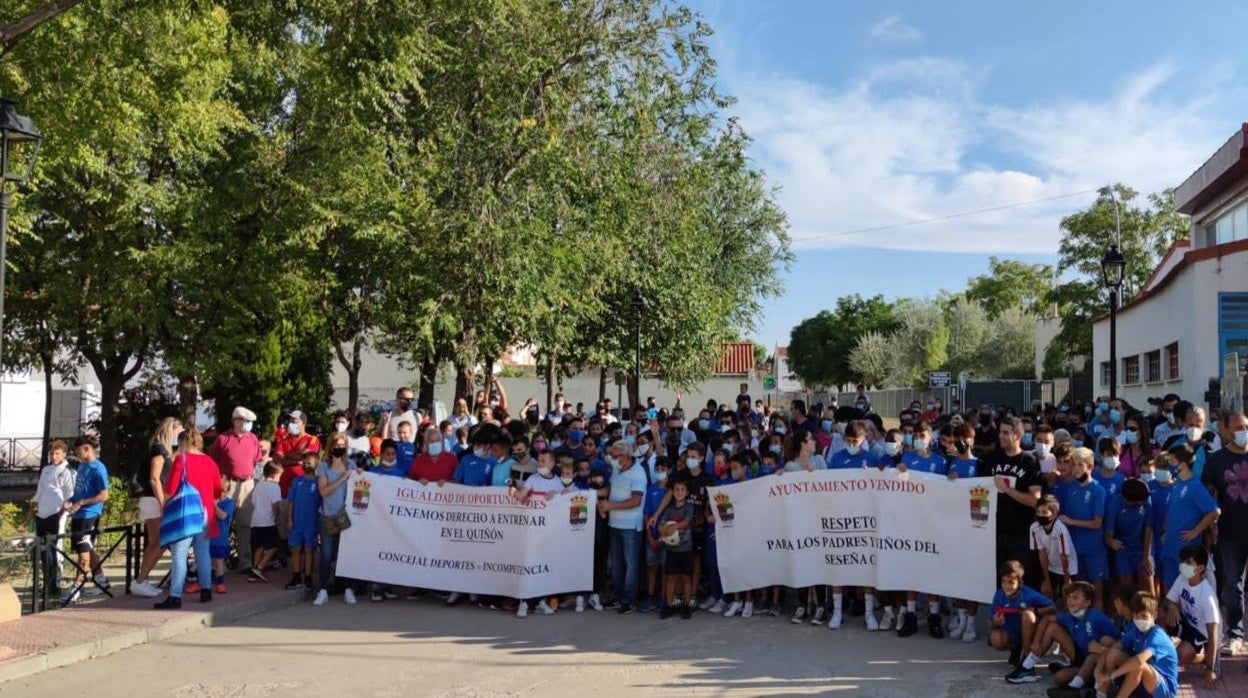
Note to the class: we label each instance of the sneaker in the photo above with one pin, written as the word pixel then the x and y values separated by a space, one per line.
pixel 295 582
pixel 219 588
pixel 1068 692
pixel 799 615
pixel 545 609
pixel 646 606
pixel 886 620
pixel 101 581
pixel 624 609
pixel 390 594
pixel 523 610
pixel 595 602
pixel 956 625
pixel 707 604
pixel 872 624
pixel 376 596
pixel 145 589
pixel 968 635
pixel 257 575
pixel 836 621
pixel 718 608
pixel 453 599
pixel 817 618
pixel 580 604
pixel 349 596
pixel 935 626
pixel 170 604
pixel 322 598
pixel 415 595
pixel 1021 675
pixel 72 597
pixel 192 588
pixel 1232 647
pixel 733 610
pixel 907 624
pixel 774 611
pixel 748 610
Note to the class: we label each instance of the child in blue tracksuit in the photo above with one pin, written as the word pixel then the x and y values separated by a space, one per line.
pixel 1016 609
pixel 1129 533
pixel 1083 633
pixel 304 523
pixel 219 547
pixel 654 547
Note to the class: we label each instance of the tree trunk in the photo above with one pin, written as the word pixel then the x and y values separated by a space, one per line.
pixel 188 400
pixel 550 382
pixel 428 384
pixel 602 384
pixel 353 375
pixel 464 384
pixel 47 359
pixel 112 382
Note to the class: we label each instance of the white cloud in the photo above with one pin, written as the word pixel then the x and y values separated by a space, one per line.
pixel 894 28
pixel 912 140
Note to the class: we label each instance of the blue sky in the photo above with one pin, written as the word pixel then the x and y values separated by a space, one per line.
pixel 877 113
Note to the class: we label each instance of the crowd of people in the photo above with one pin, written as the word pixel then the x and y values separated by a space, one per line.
pixel 1109 512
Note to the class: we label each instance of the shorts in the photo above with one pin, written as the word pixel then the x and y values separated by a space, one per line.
pixel 1168 570
pixel 1163 690
pixel 82 533
pixel 303 535
pixel 678 562
pixel 655 556
pixel 1057 581
pixel 1013 627
pixel 1127 563
pixel 699 541
pixel 149 508
pixel 219 552
pixel 1192 636
pixel 1094 567
pixel 263 537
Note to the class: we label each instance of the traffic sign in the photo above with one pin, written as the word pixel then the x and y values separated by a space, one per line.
pixel 939 379
pixel 769 382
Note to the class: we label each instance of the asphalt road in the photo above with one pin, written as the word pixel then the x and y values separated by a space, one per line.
pixel 401 648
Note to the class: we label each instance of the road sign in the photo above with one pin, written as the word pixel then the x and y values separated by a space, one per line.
pixel 939 379
pixel 769 382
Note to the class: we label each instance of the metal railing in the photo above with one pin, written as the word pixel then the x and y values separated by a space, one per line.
pixel 21 453
pixel 47 557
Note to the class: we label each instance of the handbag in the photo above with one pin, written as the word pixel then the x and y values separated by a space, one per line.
pixel 183 515
pixel 333 525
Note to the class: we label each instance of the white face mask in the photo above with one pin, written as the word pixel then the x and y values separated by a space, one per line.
pixel 891 448
pixel 1143 625
pixel 1195 434
pixel 387 464
pixel 1042 450
pixel 1163 476
pixel 920 444
pixel 293 429
pixel 1110 462
pixel 1187 571
pixel 341 427
pixel 566 481
pixel 434 449
pixel 853 450
pixel 247 426
pixel 544 472
pixel 1241 439
pixel 662 477
pixel 642 450
pixel 1077 615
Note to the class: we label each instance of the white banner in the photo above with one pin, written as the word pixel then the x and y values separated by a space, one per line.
pixel 910 532
pixel 467 539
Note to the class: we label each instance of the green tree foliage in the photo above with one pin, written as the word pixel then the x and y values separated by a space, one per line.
pixel 820 346
pixel 871 359
pixel 1010 351
pixel 969 329
pixel 1011 283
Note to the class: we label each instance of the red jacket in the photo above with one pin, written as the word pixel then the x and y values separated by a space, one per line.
pixel 203 475
pixel 431 469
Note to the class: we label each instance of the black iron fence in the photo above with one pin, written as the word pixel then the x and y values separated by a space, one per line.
pixel 21 453
pixel 48 558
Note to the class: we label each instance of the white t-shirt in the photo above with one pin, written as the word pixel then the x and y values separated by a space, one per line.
pixel 359 444
pixel 1048 464
pixel 541 485
pixel 1058 543
pixel 1198 604
pixel 266 494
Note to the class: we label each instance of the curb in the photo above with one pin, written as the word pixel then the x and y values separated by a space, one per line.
pixel 183 624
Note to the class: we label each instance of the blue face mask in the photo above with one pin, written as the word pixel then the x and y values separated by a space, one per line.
pixel 1077 443
pixel 1028 438
pixel 908 440
pixel 576 435
pixel 1131 437
pixel 1114 416
pixel 775 448
pixel 704 424
pixel 826 424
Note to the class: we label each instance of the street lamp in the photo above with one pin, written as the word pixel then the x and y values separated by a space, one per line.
pixel 19 145
pixel 639 309
pixel 1113 264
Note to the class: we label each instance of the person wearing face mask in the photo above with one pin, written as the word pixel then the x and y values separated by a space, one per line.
pixel 1084 507
pixel 546 483
pixel 402 412
pixel 1190 512
pixel 957 446
pixel 292 446
pixel 1156 474
pixel 655 492
pixel 801 453
pixel 388 464
pixel 236 452
pixel 1076 629
pixel 1107 474
pixel 1193 608
pixel 1129 534
pixel 922 458
pixel 359 440
pixel 1200 439
pixel 623 508
pixel 1148 664
pixel 434 463
pixel 1137 445
pixel 1226 473
pixel 1016 475
pixel 332 475
pixel 1042 449
pixel 1167 425
pixel 854 455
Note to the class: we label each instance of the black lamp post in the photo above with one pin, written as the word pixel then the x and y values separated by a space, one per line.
pixel 639 309
pixel 19 145
pixel 1112 266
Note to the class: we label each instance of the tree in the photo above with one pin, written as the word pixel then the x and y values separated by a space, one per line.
pixel 820 346
pixel 1010 351
pixel 870 360
pixel 920 344
pixel 1011 283
pixel 11 32
pixel 969 329
pixel 1146 234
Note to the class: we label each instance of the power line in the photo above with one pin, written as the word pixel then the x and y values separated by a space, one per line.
pixel 950 216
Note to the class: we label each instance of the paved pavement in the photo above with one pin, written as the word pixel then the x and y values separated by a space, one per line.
pixel 403 648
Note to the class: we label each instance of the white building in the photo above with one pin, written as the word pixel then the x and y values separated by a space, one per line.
pixel 1193 309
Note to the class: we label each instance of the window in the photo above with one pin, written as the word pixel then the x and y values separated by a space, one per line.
pixel 1172 362
pixel 1104 374
pixel 1153 367
pixel 1230 226
pixel 1131 369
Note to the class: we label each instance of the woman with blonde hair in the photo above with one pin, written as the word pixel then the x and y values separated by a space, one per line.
pixel 461 417
pixel 152 501
pixel 193 468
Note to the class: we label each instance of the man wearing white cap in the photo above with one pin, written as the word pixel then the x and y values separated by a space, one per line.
pixel 236 452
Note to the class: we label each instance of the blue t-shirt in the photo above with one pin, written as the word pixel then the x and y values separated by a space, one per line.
pixel 396 471
pixel 474 471
pixel 1159 497
pixel 1165 660
pixel 1189 503
pixel 92 479
pixel 654 497
pixel 305 498
pixel 1025 598
pixel 842 460
pixel 501 474
pixel 1060 488
pixel 1091 628
pixel 406 454
pixel 1111 484
pixel 223 525
pixel 1126 522
pixel 964 467
pixel 933 463
pixel 1084 503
